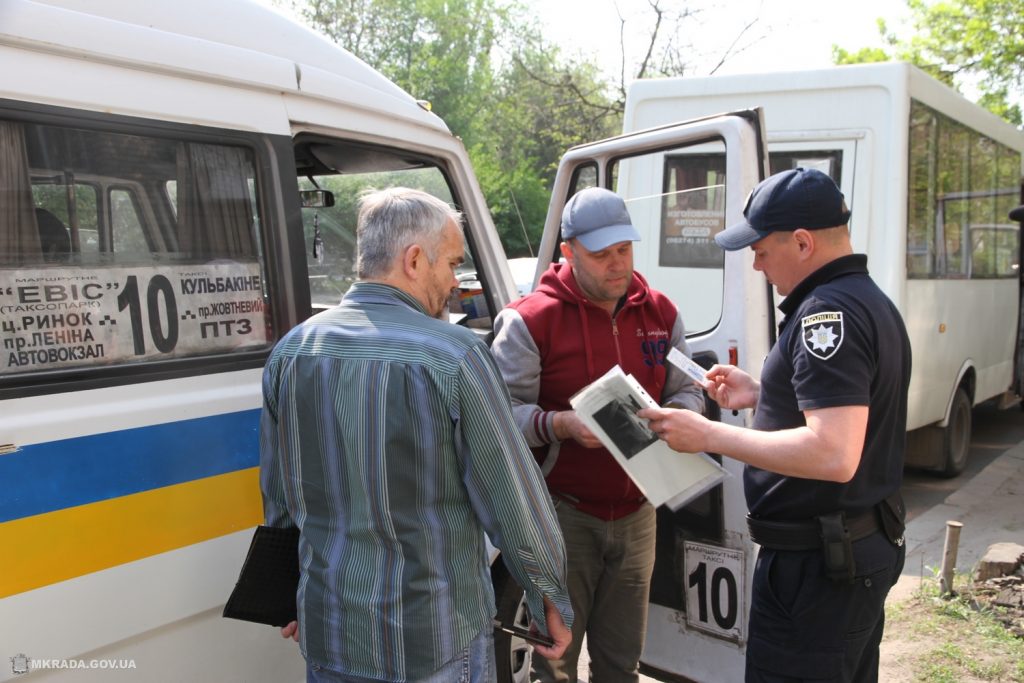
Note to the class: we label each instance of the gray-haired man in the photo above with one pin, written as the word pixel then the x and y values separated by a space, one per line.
pixel 388 439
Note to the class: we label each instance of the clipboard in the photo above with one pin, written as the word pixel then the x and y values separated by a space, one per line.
pixel 266 586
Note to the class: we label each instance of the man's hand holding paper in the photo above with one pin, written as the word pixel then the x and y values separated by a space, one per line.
pixel 611 408
pixel 732 388
pixel 568 425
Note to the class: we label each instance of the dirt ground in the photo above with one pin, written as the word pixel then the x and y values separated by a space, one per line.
pixel 976 636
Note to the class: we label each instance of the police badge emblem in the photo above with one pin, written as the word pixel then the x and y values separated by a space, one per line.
pixel 822 333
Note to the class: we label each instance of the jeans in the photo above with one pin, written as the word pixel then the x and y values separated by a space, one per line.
pixel 609 577
pixel 475 664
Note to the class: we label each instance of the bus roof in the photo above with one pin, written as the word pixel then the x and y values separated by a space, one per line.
pixel 899 78
pixel 236 41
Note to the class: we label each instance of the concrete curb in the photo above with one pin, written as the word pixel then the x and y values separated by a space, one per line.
pixel 990 506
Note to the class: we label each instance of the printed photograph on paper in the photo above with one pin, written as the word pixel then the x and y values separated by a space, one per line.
pixel 619 421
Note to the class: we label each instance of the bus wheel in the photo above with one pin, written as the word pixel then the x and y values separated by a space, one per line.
pixel 956 441
pixel 512 655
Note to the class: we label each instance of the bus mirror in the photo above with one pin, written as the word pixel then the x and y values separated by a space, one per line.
pixel 316 199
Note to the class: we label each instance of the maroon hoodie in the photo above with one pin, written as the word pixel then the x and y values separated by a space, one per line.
pixel 574 342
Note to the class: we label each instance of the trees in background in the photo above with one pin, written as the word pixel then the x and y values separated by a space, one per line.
pixel 483 65
pixel 519 101
pixel 437 50
pixel 516 99
pixel 962 42
pixel 543 104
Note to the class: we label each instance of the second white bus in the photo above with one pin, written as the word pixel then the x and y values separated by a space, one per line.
pixel 930 178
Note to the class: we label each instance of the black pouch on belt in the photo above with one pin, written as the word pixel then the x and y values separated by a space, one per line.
pixel 892 513
pixel 838 551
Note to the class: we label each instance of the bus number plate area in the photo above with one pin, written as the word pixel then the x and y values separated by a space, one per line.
pixel 715 590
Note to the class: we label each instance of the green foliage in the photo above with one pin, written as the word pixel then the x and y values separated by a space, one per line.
pixel 517 198
pixel 511 97
pixel 437 50
pixel 962 42
pixel 939 669
pixel 865 55
pixel 959 636
pixel 542 105
pixel 546 104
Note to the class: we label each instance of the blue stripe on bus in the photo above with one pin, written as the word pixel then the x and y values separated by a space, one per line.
pixel 61 474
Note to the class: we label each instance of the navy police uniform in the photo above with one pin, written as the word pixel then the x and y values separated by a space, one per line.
pixel 818 605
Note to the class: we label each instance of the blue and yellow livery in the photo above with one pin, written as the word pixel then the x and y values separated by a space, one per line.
pixel 84 504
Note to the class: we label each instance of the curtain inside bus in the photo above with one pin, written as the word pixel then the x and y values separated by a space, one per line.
pixel 19 233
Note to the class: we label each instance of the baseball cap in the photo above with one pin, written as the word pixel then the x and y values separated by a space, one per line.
pixel 598 219
pixel 1017 214
pixel 797 198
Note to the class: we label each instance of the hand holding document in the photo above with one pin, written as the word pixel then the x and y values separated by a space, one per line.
pixel 608 407
pixel 265 591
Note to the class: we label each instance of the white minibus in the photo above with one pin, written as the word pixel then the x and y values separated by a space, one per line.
pixel 177 190
pixel 930 178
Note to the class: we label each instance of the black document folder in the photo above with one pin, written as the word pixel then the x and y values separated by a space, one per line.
pixel 265 591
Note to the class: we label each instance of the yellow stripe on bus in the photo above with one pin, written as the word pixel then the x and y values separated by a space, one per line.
pixel 56 546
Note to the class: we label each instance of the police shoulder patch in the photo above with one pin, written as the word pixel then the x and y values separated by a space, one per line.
pixel 822 333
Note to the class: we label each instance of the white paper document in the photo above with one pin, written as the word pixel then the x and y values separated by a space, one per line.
pixel 608 407
pixel 688 366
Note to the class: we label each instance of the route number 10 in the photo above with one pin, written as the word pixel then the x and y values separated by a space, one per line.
pixel 163 324
pixel 715 590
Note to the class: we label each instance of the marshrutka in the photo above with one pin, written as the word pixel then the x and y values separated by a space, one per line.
pixel 177 196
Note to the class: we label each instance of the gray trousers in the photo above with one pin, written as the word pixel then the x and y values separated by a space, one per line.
pixel 609 576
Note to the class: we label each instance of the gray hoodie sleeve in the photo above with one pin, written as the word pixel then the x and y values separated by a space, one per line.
pixel 679 388
pixel 519 362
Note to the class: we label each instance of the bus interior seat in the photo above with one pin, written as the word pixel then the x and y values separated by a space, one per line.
pixel 54 237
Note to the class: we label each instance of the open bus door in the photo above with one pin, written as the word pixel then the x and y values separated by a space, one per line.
pixel 682 184
pixel 1018 366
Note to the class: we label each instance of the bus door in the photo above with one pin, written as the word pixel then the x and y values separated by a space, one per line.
pixel 683 184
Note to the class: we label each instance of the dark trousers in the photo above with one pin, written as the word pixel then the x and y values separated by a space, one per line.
pixel 806 627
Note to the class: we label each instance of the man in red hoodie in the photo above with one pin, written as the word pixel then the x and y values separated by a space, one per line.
pixel 587 315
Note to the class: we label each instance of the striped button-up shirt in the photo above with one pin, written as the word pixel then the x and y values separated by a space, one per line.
pixel 387 437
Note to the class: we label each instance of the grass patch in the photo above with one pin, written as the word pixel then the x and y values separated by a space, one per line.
pixel 939 639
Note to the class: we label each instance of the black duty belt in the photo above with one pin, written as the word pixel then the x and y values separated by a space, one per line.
pixel 807 534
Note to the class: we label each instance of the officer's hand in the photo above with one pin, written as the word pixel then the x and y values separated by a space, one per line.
pixel 732 388
pixel 568 425
pixel 291 631
pixel 683 430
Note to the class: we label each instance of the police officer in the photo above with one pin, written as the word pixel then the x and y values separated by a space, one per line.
pixel 825 455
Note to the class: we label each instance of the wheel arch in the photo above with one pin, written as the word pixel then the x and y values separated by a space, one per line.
pixel 967 378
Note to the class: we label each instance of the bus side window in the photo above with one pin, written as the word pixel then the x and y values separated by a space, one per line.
pixel 19 230
pixel 126 223
pixel 100 265
pixel 344 171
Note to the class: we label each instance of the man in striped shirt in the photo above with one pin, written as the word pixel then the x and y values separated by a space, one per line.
pixel 387 437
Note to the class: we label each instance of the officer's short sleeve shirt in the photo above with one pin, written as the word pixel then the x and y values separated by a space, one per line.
pixel 842 343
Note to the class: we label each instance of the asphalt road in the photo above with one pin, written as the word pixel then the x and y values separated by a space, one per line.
pixel 993 433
